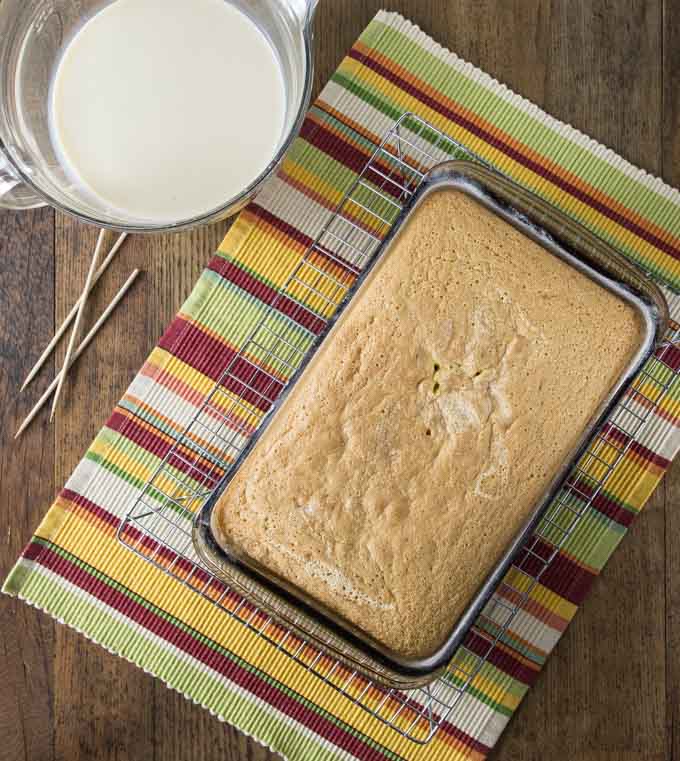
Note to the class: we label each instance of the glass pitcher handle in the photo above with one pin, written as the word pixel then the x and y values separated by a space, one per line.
pixel 14 193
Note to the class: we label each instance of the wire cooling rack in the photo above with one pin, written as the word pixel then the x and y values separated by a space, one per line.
pixel 158 524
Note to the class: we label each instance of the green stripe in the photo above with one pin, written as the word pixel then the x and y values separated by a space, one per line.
pixel 230 313
pixel 594 547
pixel 236 311
pixel 491 674
pixel 650 203
pixel 150 653
pixel 523 127
pixel 325 168
pixel 212 644
pixel 146 459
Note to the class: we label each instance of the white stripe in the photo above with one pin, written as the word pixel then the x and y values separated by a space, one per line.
pixel 287 202
pixel 539 634
pixel 655 184
pixel 148 636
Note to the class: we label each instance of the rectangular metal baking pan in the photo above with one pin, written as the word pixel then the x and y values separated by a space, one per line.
pixel 561 237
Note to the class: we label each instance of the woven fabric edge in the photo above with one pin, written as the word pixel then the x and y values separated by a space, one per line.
pixel 532 110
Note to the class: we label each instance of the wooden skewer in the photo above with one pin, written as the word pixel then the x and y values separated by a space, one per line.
pixel 79 314
pixel 84 344
pixel 74 311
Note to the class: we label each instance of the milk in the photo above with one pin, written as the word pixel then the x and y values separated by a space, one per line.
pixel 166 109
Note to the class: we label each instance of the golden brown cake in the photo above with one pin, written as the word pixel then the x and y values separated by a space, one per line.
pixel 429 424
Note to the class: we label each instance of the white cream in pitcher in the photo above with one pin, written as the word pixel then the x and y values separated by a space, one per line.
pixel 166 109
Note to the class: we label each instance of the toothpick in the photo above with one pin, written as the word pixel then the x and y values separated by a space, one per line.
pixel 74 311
pixel 79 314
pixel 84 344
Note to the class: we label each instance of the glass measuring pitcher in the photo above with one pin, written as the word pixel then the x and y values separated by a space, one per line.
pixel 33 34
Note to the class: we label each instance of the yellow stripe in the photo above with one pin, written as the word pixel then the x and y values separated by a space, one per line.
pixel 329 192
pixel 634 480
pixel 87 540
pixel 583 212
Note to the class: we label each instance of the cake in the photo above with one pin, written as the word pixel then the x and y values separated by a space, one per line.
pixel 429 424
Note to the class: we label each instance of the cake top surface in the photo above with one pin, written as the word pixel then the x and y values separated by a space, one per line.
pixel 429 424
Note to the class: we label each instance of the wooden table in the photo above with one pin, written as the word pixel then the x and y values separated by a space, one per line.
pixel 611 692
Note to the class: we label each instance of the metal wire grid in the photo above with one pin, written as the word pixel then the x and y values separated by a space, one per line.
pixel 158 525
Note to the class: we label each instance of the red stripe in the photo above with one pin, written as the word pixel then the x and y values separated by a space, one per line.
pixel 265 293
pixel 649 456
pixel 138 434
pixel 602 503
pixel 563 576
pixel 208 355
pixel 229 270
pixel 157 552
pixel 205 353
pixel 568 579
pixel 90 507
pixel 32 551
pixel 462 737
pixel 614 435
pixel 212 357
pixel 220 663
pixel 669 354
pixel 199 350
pixel 344 152
pixel 521 158
pixel 197 467
pixel 349 155
pixel 287 229
pixel 142 540
pixel 612 510
pixel 500 658
pixel 294 234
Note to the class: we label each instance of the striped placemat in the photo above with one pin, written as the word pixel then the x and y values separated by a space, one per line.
pixel 74 567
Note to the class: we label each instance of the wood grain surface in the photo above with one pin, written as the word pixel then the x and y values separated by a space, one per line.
pixel 611 691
